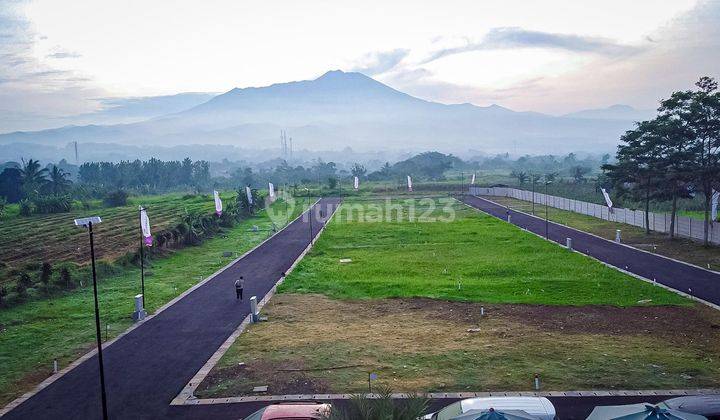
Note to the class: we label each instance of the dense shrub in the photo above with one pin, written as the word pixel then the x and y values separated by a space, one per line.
pixel 65 279
pixel 3 294
pixel 26 207
pixel 115 198
pixel 53 204
pixel 45 273
pixel 3 203
pixel 22 284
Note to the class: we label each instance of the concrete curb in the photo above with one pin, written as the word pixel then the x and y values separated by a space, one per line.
pixel 54 377
pixel 459 395
pixel 637 276
pixel 187 394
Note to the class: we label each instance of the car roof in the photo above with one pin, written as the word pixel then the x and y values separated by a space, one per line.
pixel 295 411
pixel 536 406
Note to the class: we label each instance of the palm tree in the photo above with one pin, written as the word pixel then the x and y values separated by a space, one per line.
pixel 32 176
pixel 58 183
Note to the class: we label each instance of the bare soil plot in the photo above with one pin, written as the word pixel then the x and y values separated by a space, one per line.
pixel 314 344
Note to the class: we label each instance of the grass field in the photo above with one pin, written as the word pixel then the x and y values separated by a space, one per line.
pixel 492 262
pixel 54 238
pixel 32 335
pixel 679 248
pixel 407 306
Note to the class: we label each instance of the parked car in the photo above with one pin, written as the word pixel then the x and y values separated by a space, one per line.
pixel 294 411
pixel 704 405
pixel 539 407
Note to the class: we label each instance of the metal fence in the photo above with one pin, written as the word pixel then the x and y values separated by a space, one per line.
pixel 659 222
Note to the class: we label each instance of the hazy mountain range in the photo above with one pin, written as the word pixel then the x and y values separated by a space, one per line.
pixel 339 110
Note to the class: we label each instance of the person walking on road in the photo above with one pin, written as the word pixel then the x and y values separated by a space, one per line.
pixel 239 283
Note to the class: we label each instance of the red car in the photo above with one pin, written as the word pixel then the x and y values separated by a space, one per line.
pixel 291 411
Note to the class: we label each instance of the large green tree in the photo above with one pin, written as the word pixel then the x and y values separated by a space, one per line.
pixel 698 112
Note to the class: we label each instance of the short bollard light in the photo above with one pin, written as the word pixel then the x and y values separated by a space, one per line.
pixel 568 243
pixel 537 382
pixel 255 314
pixel 139 314
pixel 617 236
pixel 509 218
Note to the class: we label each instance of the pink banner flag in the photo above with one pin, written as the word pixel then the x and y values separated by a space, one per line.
pixel 271 190
pixel 472 181
pixel 145 227
pixel 248 193
pixel 409 183
pixel 356 183
pixel 218 203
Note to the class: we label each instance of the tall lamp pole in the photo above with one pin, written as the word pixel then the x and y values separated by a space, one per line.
pixel 309 215
pixel 88 223
pixel 546 209
pixel 534 180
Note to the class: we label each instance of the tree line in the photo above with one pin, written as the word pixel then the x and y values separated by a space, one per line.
pixel 675 155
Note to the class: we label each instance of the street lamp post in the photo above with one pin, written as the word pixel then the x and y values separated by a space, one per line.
pixel 534 180
pixel 546 209
pixel 309 215
pixel 88 223
pixel 462 182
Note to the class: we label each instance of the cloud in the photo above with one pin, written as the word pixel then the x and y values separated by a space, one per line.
pixel 514 38
pixel 64 54
pixel 33 92
pixel 380 62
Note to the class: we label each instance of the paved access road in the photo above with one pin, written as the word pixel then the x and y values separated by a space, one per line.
pixel 687 278
pixel 147 368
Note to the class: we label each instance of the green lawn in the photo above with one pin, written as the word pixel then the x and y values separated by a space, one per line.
pixel 62 327
pixel 475 257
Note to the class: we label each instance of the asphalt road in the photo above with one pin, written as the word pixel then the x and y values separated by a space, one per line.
pixel 687 278
pixel 147 368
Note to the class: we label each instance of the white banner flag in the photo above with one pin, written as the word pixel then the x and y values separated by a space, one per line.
pixel 472 181
pixel 271 190
pixel 218 203
pixel 607 199
pixel 715 197
pixel 356 183
pixel 409 183
pixel 248 193
pixel 145 227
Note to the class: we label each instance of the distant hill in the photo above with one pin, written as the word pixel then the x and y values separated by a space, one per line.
pixel 614 112
pixel 341 109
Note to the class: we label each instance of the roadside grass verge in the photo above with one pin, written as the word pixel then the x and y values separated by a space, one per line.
pixel 473 257
pixel 682 249
pixel 34 334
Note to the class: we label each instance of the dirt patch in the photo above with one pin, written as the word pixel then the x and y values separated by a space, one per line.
pixel 314 344
pixel 244 377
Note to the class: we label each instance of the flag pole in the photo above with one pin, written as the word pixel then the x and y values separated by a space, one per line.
pixel 142 261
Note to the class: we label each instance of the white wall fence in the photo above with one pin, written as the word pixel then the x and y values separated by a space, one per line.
pixel 659 222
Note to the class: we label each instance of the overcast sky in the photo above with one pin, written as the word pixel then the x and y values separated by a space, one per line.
pixel 60 57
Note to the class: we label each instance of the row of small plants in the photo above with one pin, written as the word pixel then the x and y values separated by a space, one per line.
pixel 43 280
